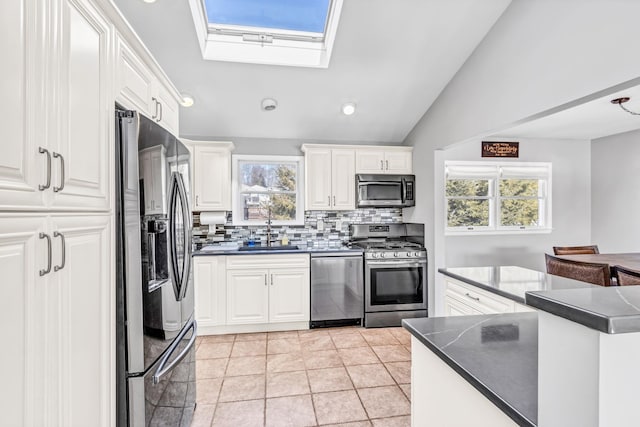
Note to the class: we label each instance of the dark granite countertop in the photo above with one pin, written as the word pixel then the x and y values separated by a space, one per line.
pixel 512 282
pixel 233 250
pixel 613 310
pixel 497 354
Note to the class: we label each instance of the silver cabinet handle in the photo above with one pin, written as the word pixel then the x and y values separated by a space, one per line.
pixel 63 249
pixel 387 162
pixel 272 280
pixel 48 269
pixel 334 200
pixel 196 200
pixel 48 184
pixel 329 200
pixel 265 280
pixel 160 118
pixel 58 155
pixel 381 165
pixel 155 114
pixel 473 298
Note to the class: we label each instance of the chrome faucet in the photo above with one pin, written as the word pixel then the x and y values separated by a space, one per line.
pixel 269 225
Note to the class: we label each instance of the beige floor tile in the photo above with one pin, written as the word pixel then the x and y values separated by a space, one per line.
pixel 338 407
pixel 379 337
pixel 349 340
pixel 203 415
pixel 369 375
pixel 402 335
pixel 207 391
pixel 249 365
pixel 281 334
pixel 316 343
pixel 322 359
pixel 258 336
pixel 400 371
pixel 408 348
pixel 312 332
pixel 329 379
pixel 249 413
pixel 213 350
pixel 392 353
pixel 404 421
pixel 355 424
pixel 249 348
pixel 406 389
pixel 292 411
pixel 284 345
pixel 287 384
pixel 285 362
pixel 345 330
pixel 381 402
pixel 242 388
pixel 358 356
pixel 218 338
pixel 210 368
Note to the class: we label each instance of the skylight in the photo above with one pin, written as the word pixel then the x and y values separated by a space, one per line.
pixel 280 32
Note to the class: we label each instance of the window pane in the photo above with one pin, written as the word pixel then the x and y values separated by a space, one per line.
pixel 521 212
pixel 262 177
pixel 469 213
pixel 256 207
pixel 519 187
pixel 467 187
pixel 283 207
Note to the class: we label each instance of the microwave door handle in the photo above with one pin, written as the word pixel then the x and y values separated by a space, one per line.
pixel 403 190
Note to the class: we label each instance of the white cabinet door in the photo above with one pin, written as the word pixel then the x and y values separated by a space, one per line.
pixel 134 82
pixel 343 179
pixel 167 109
pixel 79 321
pixel 247 297
pixel 212 179
pixel 84 110
pixel 398 162
pixel 318 179
pixel 209 276
pixel 152 169
pixel 22 167
pixel 369 161
pixel 454 307
pixel 289 295
pixel 22 254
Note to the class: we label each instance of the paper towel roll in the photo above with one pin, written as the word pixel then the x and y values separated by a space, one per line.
pixel 213 218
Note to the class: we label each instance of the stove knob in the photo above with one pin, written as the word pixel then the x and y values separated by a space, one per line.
pixel 395 254
pixel 374 255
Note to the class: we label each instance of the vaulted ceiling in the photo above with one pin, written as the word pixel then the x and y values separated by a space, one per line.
pixel 392 58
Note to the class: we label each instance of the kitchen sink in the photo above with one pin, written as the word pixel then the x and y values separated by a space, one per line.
pixel 267 248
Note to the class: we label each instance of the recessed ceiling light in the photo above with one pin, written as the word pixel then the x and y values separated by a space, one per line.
pixel 269 104
pixel 149 1
pixel 187 100
pixel 349 108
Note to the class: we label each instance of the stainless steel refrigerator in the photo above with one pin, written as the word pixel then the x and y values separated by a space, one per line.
pixel 155 330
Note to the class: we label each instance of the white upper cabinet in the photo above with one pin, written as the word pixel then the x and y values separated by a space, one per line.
pixel 385 160
pixel 140 90
pixel 154 179
pixel 211 175
pixel 329 178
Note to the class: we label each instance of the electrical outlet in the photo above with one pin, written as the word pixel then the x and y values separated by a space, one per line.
pixel 320 225
pixel 338 225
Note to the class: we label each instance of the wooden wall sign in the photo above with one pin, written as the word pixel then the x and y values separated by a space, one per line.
pixel 500 149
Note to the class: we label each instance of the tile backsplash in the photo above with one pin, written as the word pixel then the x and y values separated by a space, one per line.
pixel 320 229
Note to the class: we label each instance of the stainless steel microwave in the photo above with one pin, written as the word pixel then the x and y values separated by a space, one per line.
pixel 385 191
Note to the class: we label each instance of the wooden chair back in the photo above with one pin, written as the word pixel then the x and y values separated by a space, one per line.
pixel 575 250
pixel 626 276
pixel 595 273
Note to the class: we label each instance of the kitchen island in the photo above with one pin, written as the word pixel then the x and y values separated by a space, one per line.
pixel 571 362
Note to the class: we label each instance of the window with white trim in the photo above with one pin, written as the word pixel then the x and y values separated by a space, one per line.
pixel 493 196
pixel 268 187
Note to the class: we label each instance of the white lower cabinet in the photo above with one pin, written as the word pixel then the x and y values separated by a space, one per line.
pixel 251 292
pixel 57 293
pixel 464 299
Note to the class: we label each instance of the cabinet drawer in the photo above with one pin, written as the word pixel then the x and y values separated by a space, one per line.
pixel 268 261
pixel 483 301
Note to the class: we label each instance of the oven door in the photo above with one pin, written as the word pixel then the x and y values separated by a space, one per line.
pixel 395 285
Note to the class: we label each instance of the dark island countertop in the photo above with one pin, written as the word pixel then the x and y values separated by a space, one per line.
pixel 497 354
pixel 612 310
pixel 512 282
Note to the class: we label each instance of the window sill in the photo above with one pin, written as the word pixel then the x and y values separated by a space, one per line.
pixel 497 232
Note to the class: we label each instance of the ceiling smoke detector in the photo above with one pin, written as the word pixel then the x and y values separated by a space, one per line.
pixel 269 104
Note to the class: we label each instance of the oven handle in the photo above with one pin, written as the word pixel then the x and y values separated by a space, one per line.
pixel 418 263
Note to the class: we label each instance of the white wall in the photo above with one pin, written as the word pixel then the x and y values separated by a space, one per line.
pixel 571 208
pixel 539 56
pixel 615 192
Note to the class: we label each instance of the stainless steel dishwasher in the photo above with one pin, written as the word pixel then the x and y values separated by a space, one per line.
pixel 337 288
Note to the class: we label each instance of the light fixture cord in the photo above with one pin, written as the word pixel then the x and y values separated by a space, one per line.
pixel 627 110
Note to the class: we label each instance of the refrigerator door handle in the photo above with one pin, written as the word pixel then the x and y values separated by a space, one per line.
pixel 179 194
pixel 163 368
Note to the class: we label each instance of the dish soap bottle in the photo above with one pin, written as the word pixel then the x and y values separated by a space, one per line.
pixel 285 239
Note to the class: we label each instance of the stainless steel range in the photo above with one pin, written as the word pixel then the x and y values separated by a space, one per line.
pixel 395 272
